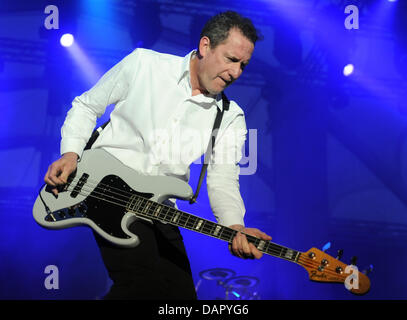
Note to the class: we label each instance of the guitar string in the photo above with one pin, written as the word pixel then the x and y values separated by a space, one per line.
pixel 131 194
pixel 227 232
pixel 230 233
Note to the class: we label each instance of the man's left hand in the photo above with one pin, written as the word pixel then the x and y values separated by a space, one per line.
pixel 241 248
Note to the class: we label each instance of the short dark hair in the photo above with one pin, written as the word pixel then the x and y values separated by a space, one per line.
pixel 217 28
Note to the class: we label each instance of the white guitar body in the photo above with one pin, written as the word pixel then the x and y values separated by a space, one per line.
pixel 99 194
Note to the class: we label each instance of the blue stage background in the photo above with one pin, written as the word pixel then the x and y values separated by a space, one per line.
pixel 331 152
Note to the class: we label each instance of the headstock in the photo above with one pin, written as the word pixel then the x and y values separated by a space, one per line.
pixel 322 267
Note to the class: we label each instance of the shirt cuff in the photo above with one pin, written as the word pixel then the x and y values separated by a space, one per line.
pixel 227 219
pixel 72 145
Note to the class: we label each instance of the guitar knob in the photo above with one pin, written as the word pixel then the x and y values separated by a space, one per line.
pixel 353 260
pixel 340 253
pixel 71 211
pixel 339 270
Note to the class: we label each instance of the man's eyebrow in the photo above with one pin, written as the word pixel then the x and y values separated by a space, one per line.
pixel 235 59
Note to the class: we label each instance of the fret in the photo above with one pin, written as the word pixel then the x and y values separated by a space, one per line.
pixel 207 227
pixel 140 205
pixel 281 252
pixel 165 213
pixel 129 204
pixel 168 214
pixel 191 222
pixel 256 243
pixel 134 203
pixel 297 256
pixel 232 235
pixel 266 250
pixel 145 210
pixel 216 231
pixel 157 211
pixel 213 228
pixel 186 221
pixel 227 236
pixel 175 219
pixel 261 244
pixel 198 226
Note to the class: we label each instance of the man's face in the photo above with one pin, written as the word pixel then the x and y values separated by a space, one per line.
pixel 224 64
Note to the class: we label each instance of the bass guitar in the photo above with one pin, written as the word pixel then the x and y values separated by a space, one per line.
pixel 108 196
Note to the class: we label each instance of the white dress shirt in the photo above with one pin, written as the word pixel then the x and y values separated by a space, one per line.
pixel 158 128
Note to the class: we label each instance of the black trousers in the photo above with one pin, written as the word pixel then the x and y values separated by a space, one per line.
pixel 157 269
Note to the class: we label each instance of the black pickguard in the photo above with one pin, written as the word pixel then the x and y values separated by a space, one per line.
pixel 107 204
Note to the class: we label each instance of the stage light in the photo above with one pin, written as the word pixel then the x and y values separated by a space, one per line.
pixel 392 0
pixel 66 40
pixel 348 69
pixel 326 246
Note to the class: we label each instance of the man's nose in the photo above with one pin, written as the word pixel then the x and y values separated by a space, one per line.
pixel 235 72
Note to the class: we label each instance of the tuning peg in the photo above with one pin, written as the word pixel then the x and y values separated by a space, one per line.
pixel 353 260
pixel 368 270
pixel 340 253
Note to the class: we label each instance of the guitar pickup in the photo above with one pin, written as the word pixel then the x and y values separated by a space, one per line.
pixel 78 188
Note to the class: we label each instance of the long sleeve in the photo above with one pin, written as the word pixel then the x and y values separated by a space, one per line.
pixel 223 174
pixel 86 108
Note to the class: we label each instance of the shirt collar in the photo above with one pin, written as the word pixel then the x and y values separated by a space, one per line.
pixel 185 72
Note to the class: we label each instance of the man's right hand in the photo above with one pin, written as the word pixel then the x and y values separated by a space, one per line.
pixel 59 171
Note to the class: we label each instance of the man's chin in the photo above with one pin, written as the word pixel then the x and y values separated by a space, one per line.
pixel 216 91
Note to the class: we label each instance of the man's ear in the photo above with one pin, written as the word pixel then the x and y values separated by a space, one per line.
pixel 204 46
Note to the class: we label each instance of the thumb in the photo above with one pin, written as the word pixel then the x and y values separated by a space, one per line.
pixel 66 172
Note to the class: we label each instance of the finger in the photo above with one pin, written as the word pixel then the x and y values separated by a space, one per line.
pixel 237 246
pixel 242 248
pixel 55 191
pixel 257 254
pixel 59 174
pixel 55 180
pixel 64 175
pixel 47 177
pixel 264 236
pixel 245 247
pixel 258 233
pixel 53 172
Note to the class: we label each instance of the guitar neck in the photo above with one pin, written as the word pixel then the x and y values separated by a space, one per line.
pixel 150 209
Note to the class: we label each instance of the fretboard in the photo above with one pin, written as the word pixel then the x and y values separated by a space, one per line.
pixel 150 209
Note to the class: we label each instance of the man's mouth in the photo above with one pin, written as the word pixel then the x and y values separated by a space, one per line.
pixel 225 81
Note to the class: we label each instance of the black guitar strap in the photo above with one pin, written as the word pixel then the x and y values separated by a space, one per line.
pixel 95 135
pixel 209 149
